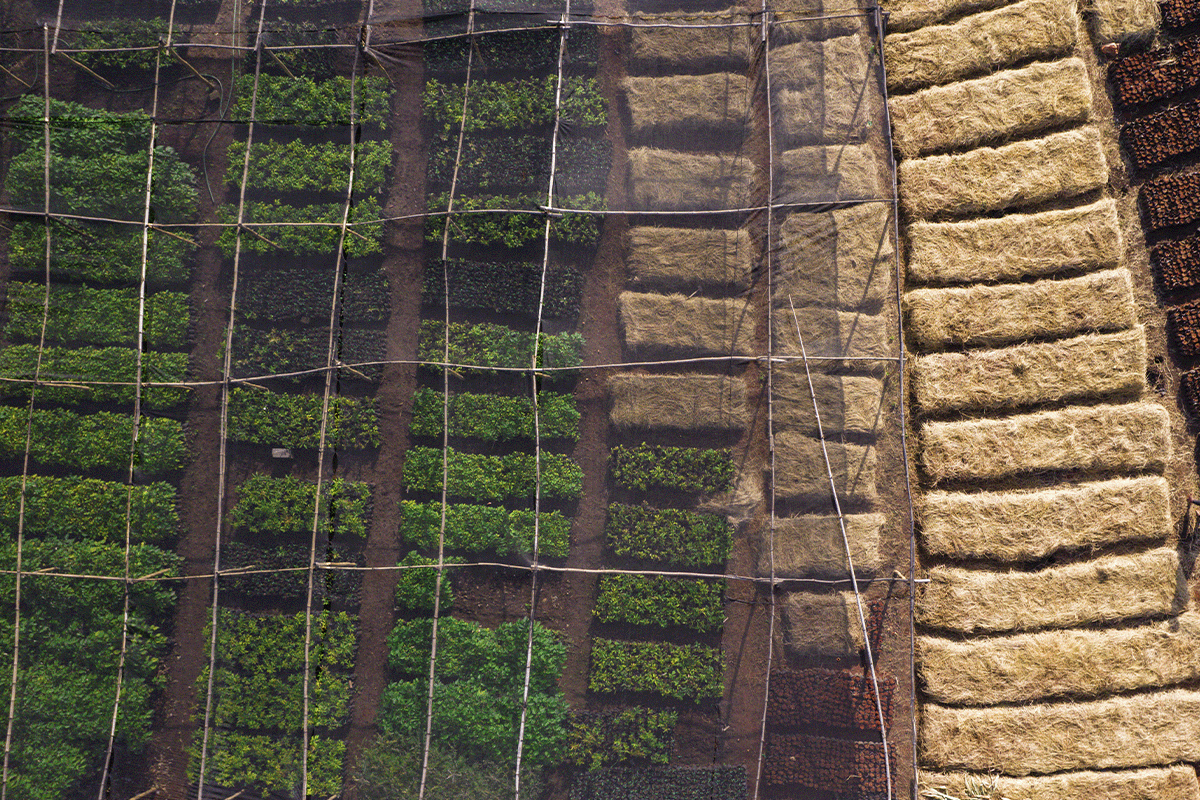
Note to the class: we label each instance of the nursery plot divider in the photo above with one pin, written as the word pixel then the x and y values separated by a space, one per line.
pixel 223 445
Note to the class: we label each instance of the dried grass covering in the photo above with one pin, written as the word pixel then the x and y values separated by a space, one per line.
pixel 691 257
pixel 1093 365
pixel 995 315
pixel 1026 526
pixel 846 403
pixel 908 15
pixel 979 43
pixel 1058 166
pixel 1135 436
pixel 822 624
pixel 801 472
pixel 812 547
pixel 825 92
pixel 1016 246
pixel 840 258
pixel 681 402
pixel 719 101
pixel 684 45
pixel 1105 589
pixel 816 19
pixel 1122 20
pixel 1133 731
pixel 1010 103
pixel 822 173
pixel 675 324
pixel 1075 663
pixel 1156 783
pixel 830 334
pixel 662 180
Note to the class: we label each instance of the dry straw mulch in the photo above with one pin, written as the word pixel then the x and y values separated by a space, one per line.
pixel 813 547
pixel 822 624
pixel 830 334
pixel 824 173
pixel 1105 589
pixel 679 402
pixel 1150 729
pixel 1123 20
pixel 1015 246
pixel 718 101
pixel 1133 436
pixel 680 325
pixel 1027 526
pixel 1014 312
pixel 825 92
pixel 1176 782
pixel 841 258
pixel 669 180
pixel 1048 664
pixel 687 40
pixel 1092 365
pixel 1055 167
pixel 691 257
pixel 979 43
pixel 801 470
pixel 991 109
pixel 908 15
pixel 845 403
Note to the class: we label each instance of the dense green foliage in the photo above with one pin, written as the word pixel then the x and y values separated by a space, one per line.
pixel 391 768
pixel 488 345
pixel 258 416
pixel 295 294
pixel 479 685
pixel 682 469
pixel 109 367
pixel 104 253
pixel 662 601
pixel 280 351
pixel 415 587
pixel 482 477
pixel 97 316
pixel 596 740
pixel 534 50
pixel 70 646
pixel 114 34
pixel 75 507
pixel 520 163
pixel 305 101
pixel 272 762
pixel 513 287
pixel 513 229
pixel 495 418
pixel 89 442
pixel 481 529
pixel 679 671
pixel 663 783
pixel 292 583
pixel 283 506
pixel 272 228
pixel 517 103
pixel 77 129
pixel 293 166
pixel 671 535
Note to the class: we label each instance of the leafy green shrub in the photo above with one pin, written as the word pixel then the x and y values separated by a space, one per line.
pixel 679 671
pixel 682 469
pixel 100 252
pixel 304 101
pixel 92 441
pixel 390 768
pixel 297 294
pixel 663 783
pixel 513 287
pixel 533 50
pixel 657 600
pixel 113 34
pixel 76 129
pixel 479 685
pixel 279 351
pixel 258 416
pixel 293 166
pixel 671 535
pixel 290 584
pixel 272 763
pixel 480 529
pixel 283 506
pixel 596 740
pixel 415 587
pixel 306 40
pixel 514 230
pixel 495 418
pixel 70 645
pixel 488 345
pixel 97 316
pixel 482 477
pixel 520 163
pixel 518 103
pixel 274 222
pixel 75 507
pixel 108 367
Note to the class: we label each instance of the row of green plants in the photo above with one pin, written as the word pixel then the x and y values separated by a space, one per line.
pixel 259 416
pixel 75 507
pixel 531 50
pixel 92 375
pixel 285 506
pixel 295 166
pixel 483 529
pixel 514 220
pixel 277 228
pixel 634 734
pixel 517 103
pixel 106 253
pixel 291 294
pixel 302 100
pixel 76 129
pixel 669 535
pixel 661 601
pixel 284 572
pixel 477 477
pixel 487 344
pixel 260 352
pixel 681 469
pixel 665 783
pixel 507 287
pixel 416 588
pixel 519 163
pixel 120 44
pixel 87 442
pixel 96 316
pixel 494 418
pixel 677 671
